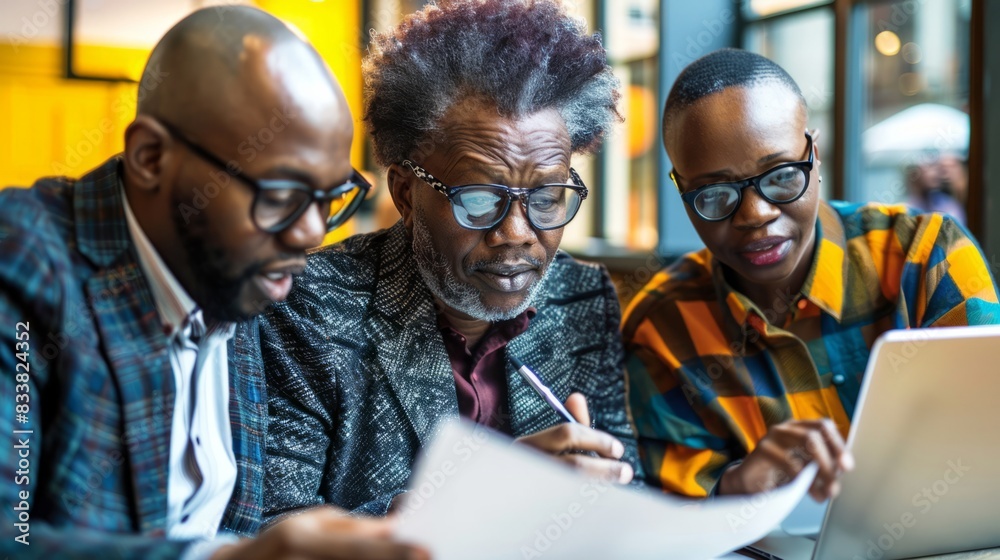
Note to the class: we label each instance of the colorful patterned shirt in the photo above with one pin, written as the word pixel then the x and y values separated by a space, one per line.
pixel 709 372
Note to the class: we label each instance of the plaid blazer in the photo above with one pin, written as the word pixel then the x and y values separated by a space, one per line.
pixel 359 377
pixel 100 384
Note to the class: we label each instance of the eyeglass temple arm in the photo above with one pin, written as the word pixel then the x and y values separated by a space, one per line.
pixel 673 177
pixel 433 181
pixel 339 190
pixel 426 177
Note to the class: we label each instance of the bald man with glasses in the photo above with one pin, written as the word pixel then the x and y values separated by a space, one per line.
pixel 129 363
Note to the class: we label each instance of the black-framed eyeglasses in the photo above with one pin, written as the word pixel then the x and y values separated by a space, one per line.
pixel 779 185
pixel 278 203
pixel 483 206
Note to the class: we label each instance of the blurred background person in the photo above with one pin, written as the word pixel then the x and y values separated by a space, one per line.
pixel 934 184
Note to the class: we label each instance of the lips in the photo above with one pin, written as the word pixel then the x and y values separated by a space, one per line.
pixel 504 277
pixel 766 251
pixel 275 281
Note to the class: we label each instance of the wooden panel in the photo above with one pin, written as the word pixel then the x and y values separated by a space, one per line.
pixel 974 202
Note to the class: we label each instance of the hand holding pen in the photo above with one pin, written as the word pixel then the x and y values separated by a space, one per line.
pixel 566 441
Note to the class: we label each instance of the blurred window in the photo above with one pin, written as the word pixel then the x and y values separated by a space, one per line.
pixel 914 120
pixel 621 211
pixel 802 43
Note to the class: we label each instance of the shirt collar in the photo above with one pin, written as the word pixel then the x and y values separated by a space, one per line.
pixel 173 303
pixel 827 279
pixel 824 285
pixel 503 331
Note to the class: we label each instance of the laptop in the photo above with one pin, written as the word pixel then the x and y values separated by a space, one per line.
pixel 926 442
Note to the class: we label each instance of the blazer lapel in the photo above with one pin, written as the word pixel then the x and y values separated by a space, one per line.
pixel 552 348
pixel 132 338
pixel 411 351
pixel 247 413
pixel 529 413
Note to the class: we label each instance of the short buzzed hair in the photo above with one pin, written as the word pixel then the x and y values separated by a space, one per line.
pixel 723 69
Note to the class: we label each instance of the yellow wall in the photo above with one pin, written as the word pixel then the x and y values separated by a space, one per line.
pixel 53 126
pixel 334 28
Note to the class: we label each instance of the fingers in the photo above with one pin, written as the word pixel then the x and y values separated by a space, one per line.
pixel 568 438
pixel 826 475
pixel 328 534
pixel 361 538
pixel 351 547
pixel 360 527
pixel 603 469
pixel 836 445
pixel 820 442
pixel 771 465
pixel 785 451
pixel 576 404
pixel 566 441
pixel 840 459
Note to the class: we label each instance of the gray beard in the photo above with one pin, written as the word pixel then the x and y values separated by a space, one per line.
pixel 441 281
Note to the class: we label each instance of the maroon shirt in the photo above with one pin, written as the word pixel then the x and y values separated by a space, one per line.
pixel 481 373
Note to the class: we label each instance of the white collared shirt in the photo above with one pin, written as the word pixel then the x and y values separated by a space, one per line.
pixel 202 471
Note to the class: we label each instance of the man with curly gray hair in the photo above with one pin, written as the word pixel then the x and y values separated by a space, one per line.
pixel 475 108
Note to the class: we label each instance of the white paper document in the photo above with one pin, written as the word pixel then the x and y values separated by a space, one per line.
pixel 475 495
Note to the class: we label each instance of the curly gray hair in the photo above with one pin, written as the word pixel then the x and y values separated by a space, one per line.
pixel 522 55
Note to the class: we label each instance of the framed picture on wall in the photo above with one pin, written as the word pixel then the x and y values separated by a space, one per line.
pixel 110 40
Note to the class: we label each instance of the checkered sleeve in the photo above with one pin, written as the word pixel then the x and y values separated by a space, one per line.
pixel 677 451
pixel 31 293
pixel 946 280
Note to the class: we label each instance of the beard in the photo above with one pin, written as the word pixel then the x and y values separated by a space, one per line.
pixel 440 279
pixel 218 290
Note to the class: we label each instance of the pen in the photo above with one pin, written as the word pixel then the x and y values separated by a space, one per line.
pixel 543 391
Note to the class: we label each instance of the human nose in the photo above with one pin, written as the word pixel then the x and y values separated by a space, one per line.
pixel 307 231
pixel 754 211
pixel 514 228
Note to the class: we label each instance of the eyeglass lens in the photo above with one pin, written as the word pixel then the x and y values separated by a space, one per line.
pixel 781 185
pixel 482 207
pixel 275 208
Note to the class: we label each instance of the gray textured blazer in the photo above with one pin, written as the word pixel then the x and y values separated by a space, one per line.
pixel 359 377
